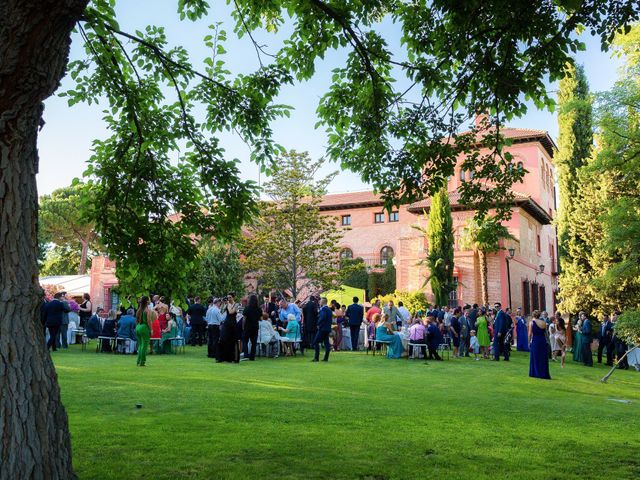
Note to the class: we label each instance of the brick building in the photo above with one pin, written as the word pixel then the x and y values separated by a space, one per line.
pixel 379 237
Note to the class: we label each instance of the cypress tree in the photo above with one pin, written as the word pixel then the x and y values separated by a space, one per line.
pixel 578 192
pixel 575 142
pixel 440 237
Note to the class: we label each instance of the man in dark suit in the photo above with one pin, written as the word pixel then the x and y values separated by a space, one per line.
pixel 53 319
pixel 355 314
pixel 587 333
pixel 325 319
pixel 434 338
pixel 310 321
pixel 196 314
pixel 605 335
pixel 473 316
pixel 500 326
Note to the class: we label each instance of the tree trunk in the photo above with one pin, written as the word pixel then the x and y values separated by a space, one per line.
pixel 82 268
pixel 34 48
pixel 482 258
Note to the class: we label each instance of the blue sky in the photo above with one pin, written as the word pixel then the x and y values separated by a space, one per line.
pixel 65 141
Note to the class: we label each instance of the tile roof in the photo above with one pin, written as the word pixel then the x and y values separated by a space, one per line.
pixel 339 201
pixel 334 201
pixel 454 200
pixel 523 135
pixel 520 200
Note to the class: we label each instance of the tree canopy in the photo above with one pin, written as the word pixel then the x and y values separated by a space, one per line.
pixel 63 222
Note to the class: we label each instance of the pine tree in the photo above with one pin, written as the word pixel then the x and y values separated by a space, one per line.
pixel 290 246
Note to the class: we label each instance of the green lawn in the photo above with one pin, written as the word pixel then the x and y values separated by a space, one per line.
pixel 356 417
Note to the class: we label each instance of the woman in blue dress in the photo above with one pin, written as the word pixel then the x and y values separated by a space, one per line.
pixel 384 332
pixel 538 357
pixel 521 332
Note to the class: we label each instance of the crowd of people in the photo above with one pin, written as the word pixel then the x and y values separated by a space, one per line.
pixel 234 330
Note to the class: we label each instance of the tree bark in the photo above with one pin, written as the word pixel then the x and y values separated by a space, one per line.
pixel 34 46
pixel 82 268
pixel 482 259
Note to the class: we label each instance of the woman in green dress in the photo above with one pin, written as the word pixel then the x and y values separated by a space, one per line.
pixel 482 332
pixel 143 330
pixel 169 333
pixel 578 342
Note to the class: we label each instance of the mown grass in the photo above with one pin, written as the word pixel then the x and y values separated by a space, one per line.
pixel 356 417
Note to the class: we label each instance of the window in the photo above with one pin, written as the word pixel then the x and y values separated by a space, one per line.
pixel 543 298
pixel 346 253
pixel 462 175
pixel 394 216
pixel 535 300
pixel 526 307
pixel 378 218
pixel 386 255
pixel 538 244
pixel 521 166
pixel 453 294
pixel 346 220
pixel 472 174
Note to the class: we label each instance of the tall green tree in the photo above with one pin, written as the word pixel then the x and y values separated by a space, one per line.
pixel 484 238
pixel 439 234
pixel 605 273
pixel 290 246
pixel 219 270
pixel 460 58
pixel 63 221
pixel 575 142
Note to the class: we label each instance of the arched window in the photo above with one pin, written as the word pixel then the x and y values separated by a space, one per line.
pixel 472 174
pixel 346 253
pixel 520 166
pixel 462 175
pixel 386 254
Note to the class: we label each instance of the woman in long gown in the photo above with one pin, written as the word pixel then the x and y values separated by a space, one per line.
pixel 228 349
pixel 538 357
pixel 561 338
pixel 577 342
pixel 156 331
pixel 482 333
pixel 569 331
pixel 143 330
pixel 454 331
pixel 384 332
pixel 339 314
pixel 522 334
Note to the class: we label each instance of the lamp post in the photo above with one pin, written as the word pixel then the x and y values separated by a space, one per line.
pixel 512 253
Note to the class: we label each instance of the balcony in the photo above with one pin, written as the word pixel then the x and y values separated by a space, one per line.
pixel 373 261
